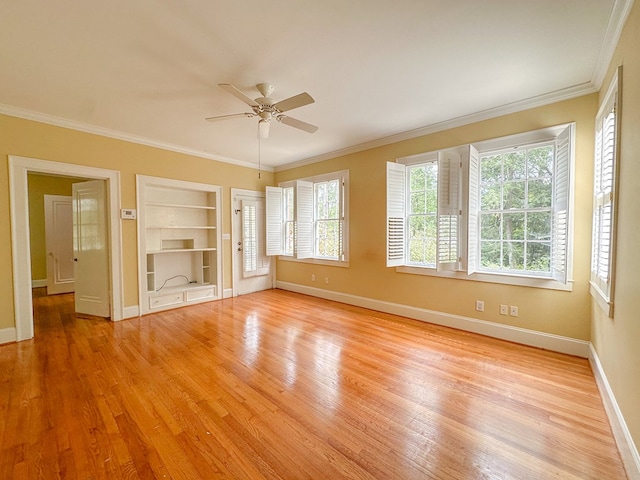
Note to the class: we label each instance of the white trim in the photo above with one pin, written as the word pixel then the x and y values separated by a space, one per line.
pixel 132 311
pixel 498 277
pixel 227 293
pixel 38 283
pixel 19 167
pixel 127 137
pixel 626 446
pixel 534 102
pixel 605 305
pixel 547 341
pixel 617 19
pixel 7 335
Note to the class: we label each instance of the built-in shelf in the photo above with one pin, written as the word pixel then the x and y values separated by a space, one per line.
pixel 175 205
pixel 167 250
pixel 189 227
pixel 178 241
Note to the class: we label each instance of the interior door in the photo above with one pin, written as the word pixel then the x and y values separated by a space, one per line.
pixel 58 232
pixel 90 248
pixel 252 269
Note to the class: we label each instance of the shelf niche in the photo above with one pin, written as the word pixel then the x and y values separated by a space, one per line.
pixel 178 240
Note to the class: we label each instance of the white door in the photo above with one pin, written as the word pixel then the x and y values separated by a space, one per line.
pixel 90 248
pixel 252 269
pixel 58 233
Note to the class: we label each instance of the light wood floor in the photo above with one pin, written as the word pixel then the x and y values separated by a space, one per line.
pixel 277 385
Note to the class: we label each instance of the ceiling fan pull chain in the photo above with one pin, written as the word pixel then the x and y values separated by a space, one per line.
pixel 259 160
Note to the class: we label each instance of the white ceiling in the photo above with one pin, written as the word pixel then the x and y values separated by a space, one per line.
pixel 148 70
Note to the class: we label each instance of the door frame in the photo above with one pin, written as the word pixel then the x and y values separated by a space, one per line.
pixel 236 235
pixel 19 167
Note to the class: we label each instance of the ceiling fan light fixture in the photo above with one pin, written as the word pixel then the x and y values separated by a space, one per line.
pixel 263 128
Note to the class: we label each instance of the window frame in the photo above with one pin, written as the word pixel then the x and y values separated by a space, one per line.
pixel 305 218
pixel 603 291
pixel 468 212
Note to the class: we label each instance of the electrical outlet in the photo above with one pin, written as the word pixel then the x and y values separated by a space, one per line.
pixel 326 280
pixel 313 277
pixel 513 311
pixel 479 306
pixel 504 310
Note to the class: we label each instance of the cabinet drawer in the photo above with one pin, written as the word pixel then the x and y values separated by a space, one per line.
pixel 190 295
pixel 164 300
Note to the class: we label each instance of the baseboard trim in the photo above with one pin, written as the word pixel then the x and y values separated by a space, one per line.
pixel 626 446
pixel 38 283
pixel 8 335
pixel 547 341
pixel 131 312
pixel 227 293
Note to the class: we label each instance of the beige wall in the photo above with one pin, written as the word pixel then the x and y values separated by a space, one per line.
pixel 39 186
pixel 45 142
pixel 617 340
pixel 556 312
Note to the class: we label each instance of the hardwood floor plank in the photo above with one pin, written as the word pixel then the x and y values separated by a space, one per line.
pixel 280 386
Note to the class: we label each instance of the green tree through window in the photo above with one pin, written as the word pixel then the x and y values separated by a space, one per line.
pixel 423 214
pixel 516 196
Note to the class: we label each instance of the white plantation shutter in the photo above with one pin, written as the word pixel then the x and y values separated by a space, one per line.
pixel 343 203
pixel 249 239
pixel 474 207
pixel 304 219
pixel 396 198
pixel 263 262
pixel 561 179
pixel 449 191
pixel 274 221
pixel 606 157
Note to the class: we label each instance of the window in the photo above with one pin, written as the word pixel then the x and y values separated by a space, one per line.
pixel 604 197
pixel 422 218
pixel 307 218
pixel 499 207
pixel 516 197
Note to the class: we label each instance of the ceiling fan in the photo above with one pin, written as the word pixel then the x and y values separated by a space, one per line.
pixel 265 108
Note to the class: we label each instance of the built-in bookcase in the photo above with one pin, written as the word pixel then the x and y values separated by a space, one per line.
pixel 178 242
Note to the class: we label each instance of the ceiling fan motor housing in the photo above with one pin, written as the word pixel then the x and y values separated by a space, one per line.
pixel 266 89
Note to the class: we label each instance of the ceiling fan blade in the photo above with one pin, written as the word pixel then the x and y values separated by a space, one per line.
pixel 233 115
pixel 227 87
pixel 296 101
pixel 299 124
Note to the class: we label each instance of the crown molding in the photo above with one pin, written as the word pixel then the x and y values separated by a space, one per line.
pixel 118 135
pixel 617 19
pixel 533 102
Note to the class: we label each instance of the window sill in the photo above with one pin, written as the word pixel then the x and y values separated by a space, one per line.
pixel 315 261
pixel 603 302
pixel 534 282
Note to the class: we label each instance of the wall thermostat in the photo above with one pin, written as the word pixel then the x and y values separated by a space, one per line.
pixel 128 214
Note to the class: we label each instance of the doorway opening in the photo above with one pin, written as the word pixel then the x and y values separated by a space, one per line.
pixel 253 270
pixel 19 168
